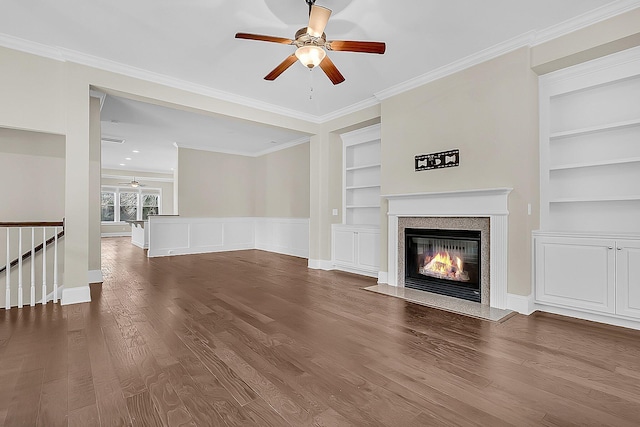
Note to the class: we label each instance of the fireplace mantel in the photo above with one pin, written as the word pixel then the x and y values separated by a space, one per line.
pixel 491 203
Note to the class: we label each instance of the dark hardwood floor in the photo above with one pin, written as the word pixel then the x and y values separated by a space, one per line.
pixel 253 338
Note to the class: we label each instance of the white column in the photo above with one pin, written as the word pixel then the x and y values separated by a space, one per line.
pixel 7 276
pixel 32 302
pixel 44 265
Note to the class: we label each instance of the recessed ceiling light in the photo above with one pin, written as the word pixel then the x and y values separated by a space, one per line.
pixel 136 151
pixel 127 158
pixel 121 164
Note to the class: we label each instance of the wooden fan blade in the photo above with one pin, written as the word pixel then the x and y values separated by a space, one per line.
pixel 331 71
pixel 288 62
pixel 356 46
pixel 318 19
pixel 263 38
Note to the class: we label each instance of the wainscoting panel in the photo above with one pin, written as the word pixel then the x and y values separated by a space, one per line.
pixel 289 236
pixel 178 236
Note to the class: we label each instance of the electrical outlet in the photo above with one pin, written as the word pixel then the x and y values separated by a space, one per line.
pixel 529 208
pixel 335 212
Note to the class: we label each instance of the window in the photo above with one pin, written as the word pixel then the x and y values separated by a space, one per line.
pixel 108 206
pixel 127 204
pixel 149 205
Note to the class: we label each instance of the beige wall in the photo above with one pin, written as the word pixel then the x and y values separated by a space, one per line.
pixel 488 112
pixel 227 185
pixel 282 183
pixel 215 184
pixel 53 96
pixel 32 169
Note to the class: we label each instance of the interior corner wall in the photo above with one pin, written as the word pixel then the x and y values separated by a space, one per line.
pixel 214 184
pixel 32 166
pixel 488 112
pixel 282 183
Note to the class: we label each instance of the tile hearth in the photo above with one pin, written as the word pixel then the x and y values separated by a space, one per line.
pixel 442 302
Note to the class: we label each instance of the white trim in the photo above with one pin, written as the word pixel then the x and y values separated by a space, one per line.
pixel 520 303
pixel 492 203
pixel 459 65
pixel 531 38
pixel 586 19
pixel 140 178
pixel 383 277
pixel 320 264
pixel 608 319
pixel 355 270
pixel 269 150
pixel 76 295
pixel 353 108
pixel 119 234
pixel 94 276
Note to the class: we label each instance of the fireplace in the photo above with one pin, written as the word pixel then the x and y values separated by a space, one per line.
pixel 485 210
pixel 443 261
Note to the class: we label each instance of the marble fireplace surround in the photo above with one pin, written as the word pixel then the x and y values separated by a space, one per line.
pixel 455 210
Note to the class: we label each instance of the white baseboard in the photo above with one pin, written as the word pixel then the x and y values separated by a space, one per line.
pixel 600 318
pixel 119 234
pixel 320 264
pixel 353 270
pixel 76 295
pixel 520 303
pixel 383 277
pixel 95 276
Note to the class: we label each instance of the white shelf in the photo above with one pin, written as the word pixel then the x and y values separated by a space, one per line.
pixel 595 199
pixel 594 164
pixel 360 187
pixel 355 168
pixel 592 129
pixel 363 207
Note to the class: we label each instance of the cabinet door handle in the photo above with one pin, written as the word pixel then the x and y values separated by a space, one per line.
pixel 619 248
pixel 610 247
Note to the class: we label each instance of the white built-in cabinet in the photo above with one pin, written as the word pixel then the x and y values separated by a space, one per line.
pixel 587 254
pixel 355 242
pixel 593 273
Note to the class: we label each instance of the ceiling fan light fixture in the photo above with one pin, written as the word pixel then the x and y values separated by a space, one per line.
pixel 310 56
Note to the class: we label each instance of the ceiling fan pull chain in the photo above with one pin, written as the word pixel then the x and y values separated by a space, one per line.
pixel 310 84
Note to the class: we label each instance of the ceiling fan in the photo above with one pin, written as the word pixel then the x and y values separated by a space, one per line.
pixel 133 183
pixel 311 42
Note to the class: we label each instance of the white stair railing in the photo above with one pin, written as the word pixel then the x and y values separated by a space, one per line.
pixel 51 233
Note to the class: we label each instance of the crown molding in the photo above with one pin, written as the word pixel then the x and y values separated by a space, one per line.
pixel 586 19
pixel 283 146
pixel 353 108
pixel 245 153
pixel 150 76
pixel 33 48
pixel 140 178
pixel 531 38
pixel 457 66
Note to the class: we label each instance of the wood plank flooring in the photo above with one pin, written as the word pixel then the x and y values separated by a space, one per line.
pixel 253 338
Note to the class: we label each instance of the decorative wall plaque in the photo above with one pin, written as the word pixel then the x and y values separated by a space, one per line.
pixel 444 159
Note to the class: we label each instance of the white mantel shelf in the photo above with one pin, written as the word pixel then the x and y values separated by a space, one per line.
pixel 491 203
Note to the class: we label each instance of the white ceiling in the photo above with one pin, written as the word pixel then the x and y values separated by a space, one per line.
pixel 154 131
pixel 193 41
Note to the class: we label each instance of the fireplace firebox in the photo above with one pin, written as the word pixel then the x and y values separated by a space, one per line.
pixel 445 262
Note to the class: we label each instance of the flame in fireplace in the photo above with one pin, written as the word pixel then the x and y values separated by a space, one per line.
pixel 445 266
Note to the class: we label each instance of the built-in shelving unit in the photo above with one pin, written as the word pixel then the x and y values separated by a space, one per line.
pixel 590 148
pixel 355 242
pixel 587 253
pixel 361 176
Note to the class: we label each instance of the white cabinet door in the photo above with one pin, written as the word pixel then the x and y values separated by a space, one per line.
pixel 628 278
pixel 344 247
pixel 368 250
pixel 577 273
